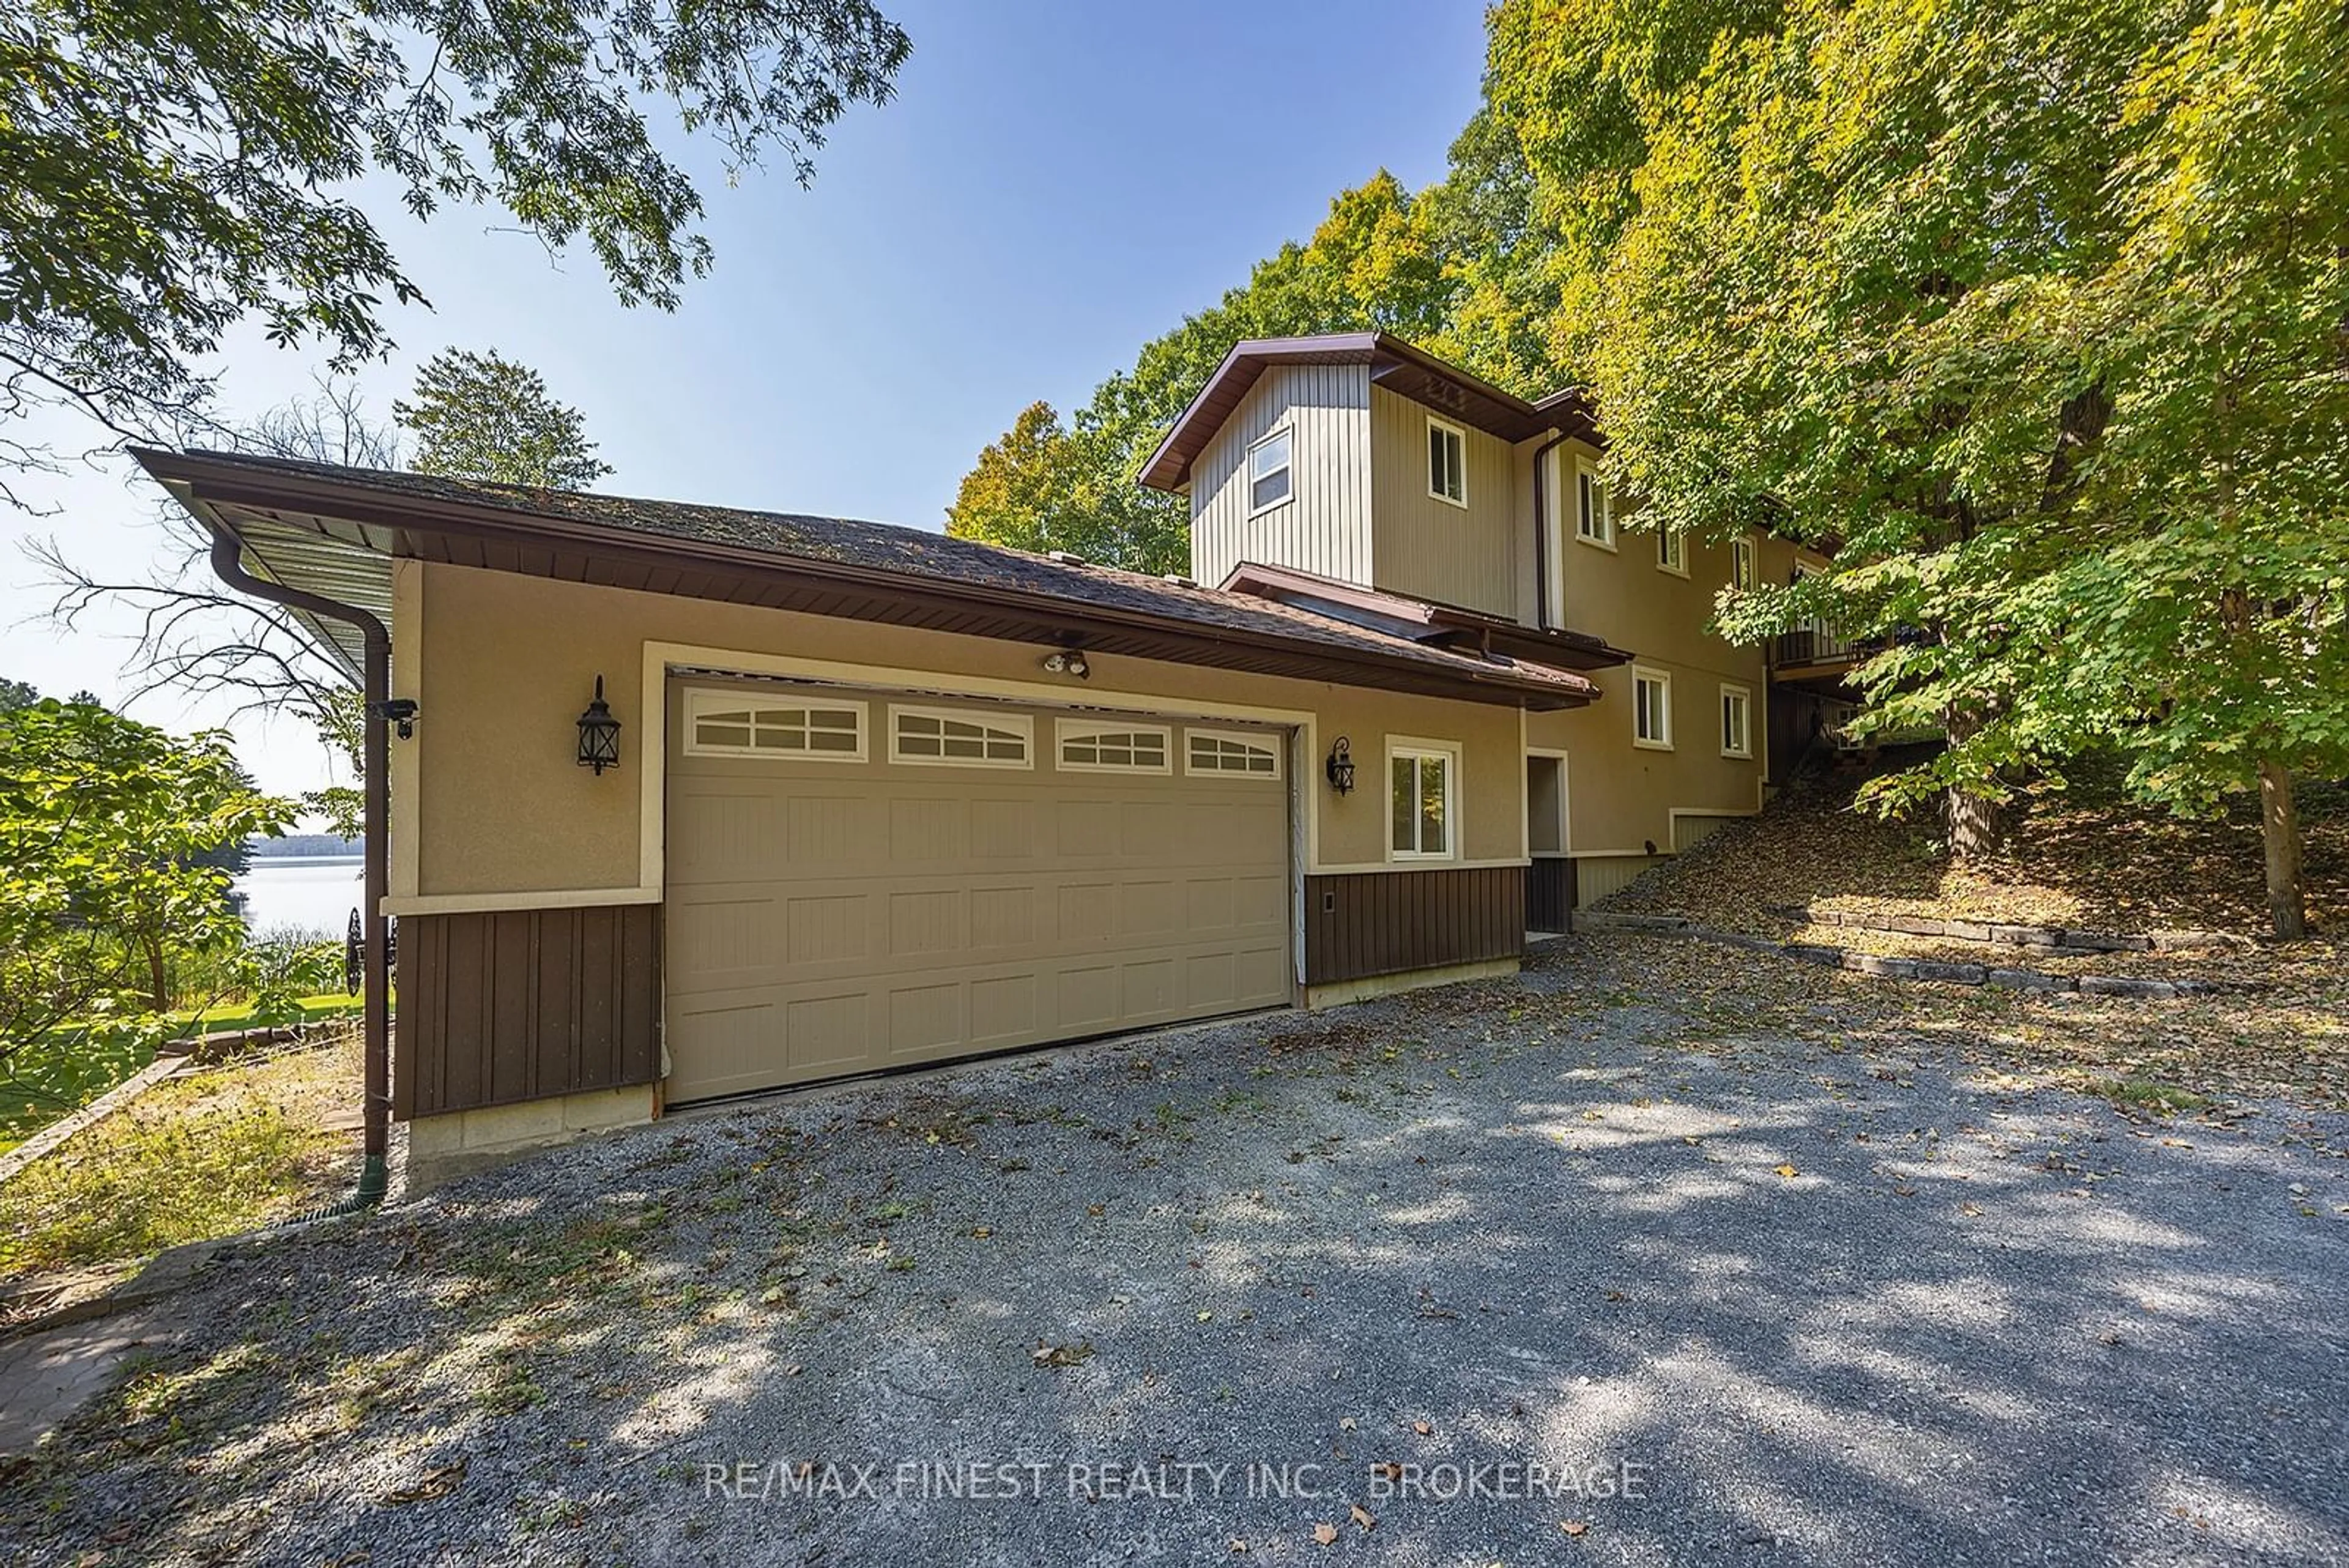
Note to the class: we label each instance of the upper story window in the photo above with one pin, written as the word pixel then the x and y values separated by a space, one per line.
pixel 1741 563
pixel 1270 479
pixel 1447 462
pixel 939 739
pixel 1671 551
pixel 748 725
pixel 1420 784
pixel 1651 709
pixel 1594 516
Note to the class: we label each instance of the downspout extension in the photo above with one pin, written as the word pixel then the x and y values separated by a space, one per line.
pixel 375 1177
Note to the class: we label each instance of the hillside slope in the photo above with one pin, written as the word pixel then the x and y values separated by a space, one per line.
pixel 2086 855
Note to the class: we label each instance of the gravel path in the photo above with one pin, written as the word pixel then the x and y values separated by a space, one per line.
pixel 1708 1276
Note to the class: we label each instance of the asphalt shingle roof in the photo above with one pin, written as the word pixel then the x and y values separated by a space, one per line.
pixel 920 554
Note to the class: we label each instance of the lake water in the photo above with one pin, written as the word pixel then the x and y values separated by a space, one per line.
pixel 306 893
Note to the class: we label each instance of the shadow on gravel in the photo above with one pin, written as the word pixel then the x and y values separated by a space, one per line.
pixel 1741 1294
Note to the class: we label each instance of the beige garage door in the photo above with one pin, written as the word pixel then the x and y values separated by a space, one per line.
pixel 861 881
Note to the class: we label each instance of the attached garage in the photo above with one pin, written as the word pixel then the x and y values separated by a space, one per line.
pixel 858 880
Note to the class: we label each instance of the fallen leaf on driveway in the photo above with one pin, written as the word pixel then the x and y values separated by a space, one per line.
pixel 1326 1534
pixel 1060 1354
pixel 1238 1545
pixel 1574 1526
pixel 1970 1210
pixel 439 1481
pixel 1788 1171
pixel 1362 1516
pixel 1389 1469
pixel 1422 1428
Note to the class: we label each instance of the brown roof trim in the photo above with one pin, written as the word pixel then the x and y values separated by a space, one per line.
pixel 1558 647
pixel 1401 366
pixel 512 529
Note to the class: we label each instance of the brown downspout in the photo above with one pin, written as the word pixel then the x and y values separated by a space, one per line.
pixel 376 1005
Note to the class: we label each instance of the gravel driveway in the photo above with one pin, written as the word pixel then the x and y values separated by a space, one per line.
pixel 1573 1268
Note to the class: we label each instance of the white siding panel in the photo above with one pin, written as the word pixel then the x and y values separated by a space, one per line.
pixel 1325 526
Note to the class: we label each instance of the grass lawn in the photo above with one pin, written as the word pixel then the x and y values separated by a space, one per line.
pixel 53 1083
pixel 211 1152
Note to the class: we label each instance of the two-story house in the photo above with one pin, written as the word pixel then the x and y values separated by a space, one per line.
pixel 678 802
pixel 1360 476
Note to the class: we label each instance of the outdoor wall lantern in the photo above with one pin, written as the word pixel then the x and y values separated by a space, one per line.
pixel 1340 766
pixel 599 735
pixel 1068 664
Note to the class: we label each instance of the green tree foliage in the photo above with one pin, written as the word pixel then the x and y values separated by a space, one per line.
pixel 2031 312
pixel 483 416
pixel 1070 486
pixel 14 694
pixel 203 157
pixel 104 828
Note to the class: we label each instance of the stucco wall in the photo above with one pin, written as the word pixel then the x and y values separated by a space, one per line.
pixel 1620 796
pixel 503 664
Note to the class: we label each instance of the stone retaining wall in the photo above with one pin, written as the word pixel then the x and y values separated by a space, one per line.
pixel 2068 940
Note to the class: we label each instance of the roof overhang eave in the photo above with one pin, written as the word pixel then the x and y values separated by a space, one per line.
pixel 243 499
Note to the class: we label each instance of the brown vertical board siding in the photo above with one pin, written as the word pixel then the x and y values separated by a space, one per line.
pixel 1550 895
pixel 526 1004
pixel 1391 922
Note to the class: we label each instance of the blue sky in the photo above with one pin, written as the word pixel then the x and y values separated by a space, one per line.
pixel 1054 183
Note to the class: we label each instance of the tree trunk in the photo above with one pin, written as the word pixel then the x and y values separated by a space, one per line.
pixel 1974 824
pixel 159 977
pixel 2279 836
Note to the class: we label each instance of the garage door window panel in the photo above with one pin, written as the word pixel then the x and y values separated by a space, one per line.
pixel 930 737
pixel 731 724
pixel 1090 747
pixel 1222 752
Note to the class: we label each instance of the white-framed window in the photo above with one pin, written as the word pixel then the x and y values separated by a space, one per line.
pixel 1231 752
pixel 1111 746
pixel 1736 720
pixel 756 724
pixel 1447 462
pixel 1671 551
pixel 1594 508
pixel 1651 707
pixel 1422 794
pixel 1269 475
pixel 1741 563
pixel 939 737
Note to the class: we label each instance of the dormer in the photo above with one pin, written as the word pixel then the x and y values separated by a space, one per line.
pixel 1358 458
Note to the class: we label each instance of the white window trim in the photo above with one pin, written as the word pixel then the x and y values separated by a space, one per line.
pixel 1744 694
pixel 1662 536
pixel 1450 429
pixel 1742 564
pixel 1249 477
pixel 700 700
pixel 1605 539
pixel 1662 677
pixel 1067 730
pixel 1258 742
pixel 1415 748
pixel 1021 723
